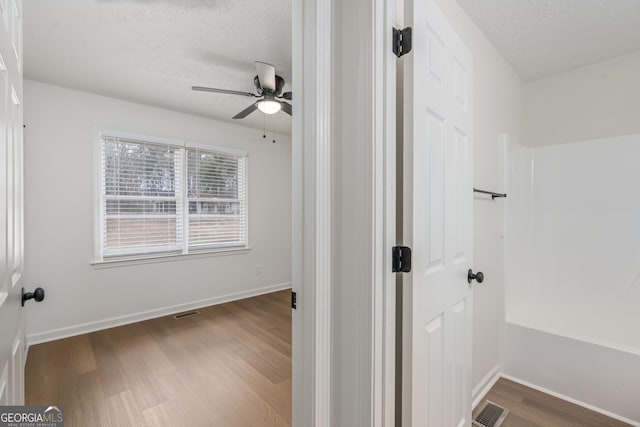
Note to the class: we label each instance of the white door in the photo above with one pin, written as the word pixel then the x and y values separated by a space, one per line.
pixel 438 196
pixel 11 229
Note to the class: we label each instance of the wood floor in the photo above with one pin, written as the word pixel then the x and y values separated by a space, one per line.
pixel 531 408
pixel 229 366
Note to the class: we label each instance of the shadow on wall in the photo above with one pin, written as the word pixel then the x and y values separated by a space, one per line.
pixel 193 4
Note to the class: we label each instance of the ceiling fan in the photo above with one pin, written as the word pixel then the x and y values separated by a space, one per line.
pixel 269 88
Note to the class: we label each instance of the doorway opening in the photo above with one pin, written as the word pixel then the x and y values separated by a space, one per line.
pixel 167 199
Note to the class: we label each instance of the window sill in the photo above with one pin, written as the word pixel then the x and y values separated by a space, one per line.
pixel 161 258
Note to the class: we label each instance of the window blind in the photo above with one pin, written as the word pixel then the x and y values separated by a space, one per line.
pixel 163 198
pixel 217 199
pixel 142 197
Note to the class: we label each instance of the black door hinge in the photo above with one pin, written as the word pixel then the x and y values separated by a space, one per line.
pixel 294 300
pixel 401 259
pixel 401 41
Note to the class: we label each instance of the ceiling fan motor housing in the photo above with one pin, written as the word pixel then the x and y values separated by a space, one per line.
pixel 261 90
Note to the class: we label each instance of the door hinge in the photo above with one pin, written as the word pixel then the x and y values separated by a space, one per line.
pixel 401 41
pixel 294 300
pixel 401 259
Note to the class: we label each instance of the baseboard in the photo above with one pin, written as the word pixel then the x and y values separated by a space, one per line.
pixel 84 328
pixel 483 387
pixel 571 400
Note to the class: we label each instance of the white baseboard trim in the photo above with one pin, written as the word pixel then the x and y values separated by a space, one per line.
pixel 98 325
pixel 571 400
pixel 483 387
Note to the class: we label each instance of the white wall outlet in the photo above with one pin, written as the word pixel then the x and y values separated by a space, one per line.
pixel 258 269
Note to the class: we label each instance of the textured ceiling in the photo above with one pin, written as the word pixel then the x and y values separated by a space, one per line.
pixel 544 37
pixel 153 51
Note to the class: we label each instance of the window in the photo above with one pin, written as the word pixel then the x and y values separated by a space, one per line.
pixel 169 198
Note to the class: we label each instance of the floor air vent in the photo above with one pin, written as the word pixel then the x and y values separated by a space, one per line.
pixel 186 314
pixel 491 415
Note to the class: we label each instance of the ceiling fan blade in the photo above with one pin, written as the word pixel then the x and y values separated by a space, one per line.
pixel 287 95
pixel 266 75
pixel 228 92
pixel 244 113
pixel 286 107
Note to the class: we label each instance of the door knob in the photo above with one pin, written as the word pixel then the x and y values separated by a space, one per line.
pixel 37 294
pixel 478 277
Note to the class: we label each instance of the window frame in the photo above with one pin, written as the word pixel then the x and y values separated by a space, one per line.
pixel 183 252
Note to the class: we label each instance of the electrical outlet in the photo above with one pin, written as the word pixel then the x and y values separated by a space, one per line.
pixel 258 269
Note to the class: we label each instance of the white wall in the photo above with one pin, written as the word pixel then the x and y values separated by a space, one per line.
pixel 597 101
pixel 59 216
pixel 353 209
pixel 498 109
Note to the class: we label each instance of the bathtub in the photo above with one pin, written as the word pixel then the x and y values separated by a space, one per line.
pixel 571 251
pixel 599 377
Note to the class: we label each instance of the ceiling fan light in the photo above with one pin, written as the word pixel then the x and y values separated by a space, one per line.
pixel 269 106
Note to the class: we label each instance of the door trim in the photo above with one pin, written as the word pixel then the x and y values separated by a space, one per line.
pixel 316 68
pixel 311 157
pixel 384 171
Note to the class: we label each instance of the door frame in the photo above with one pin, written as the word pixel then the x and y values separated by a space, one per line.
pixel 318 365
pixel 311 246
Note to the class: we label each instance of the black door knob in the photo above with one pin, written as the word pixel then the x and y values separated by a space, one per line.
pixel 37 294
pixel 478 277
